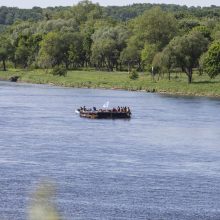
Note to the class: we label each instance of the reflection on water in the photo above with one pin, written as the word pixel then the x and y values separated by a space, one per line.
pixel 164 163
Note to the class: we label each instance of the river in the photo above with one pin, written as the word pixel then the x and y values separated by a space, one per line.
pixel 163 163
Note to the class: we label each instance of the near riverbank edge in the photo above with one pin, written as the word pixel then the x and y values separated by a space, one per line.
pixel 201 86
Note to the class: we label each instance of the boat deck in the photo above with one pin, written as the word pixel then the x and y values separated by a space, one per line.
pixel 104 114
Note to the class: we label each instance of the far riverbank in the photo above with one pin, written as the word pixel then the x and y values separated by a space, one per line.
pixel 201 86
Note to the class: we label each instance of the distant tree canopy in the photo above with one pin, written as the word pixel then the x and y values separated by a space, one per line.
pixel 9 15
pixel 134 37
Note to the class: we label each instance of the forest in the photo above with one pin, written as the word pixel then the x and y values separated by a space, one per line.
pixel 159 39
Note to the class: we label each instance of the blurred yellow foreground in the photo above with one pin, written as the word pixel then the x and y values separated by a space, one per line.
pixel 42 207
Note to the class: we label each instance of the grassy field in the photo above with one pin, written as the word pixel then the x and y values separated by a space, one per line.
pixel 201 86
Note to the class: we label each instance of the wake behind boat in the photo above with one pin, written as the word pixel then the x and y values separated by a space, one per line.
pixel 114 113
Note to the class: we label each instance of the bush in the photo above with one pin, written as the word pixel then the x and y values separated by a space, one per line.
pixel 133 75
pixel 59 71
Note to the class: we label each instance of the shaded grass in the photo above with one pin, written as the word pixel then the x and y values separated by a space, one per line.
pixel 201 86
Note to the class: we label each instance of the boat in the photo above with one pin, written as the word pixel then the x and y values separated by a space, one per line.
pixel 104 113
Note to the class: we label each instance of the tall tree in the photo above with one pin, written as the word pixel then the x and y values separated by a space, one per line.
pixel 211 62
pixel 155 27
pixel 50 53
pixel 74 51
pixel 6 50
pixel 107 46
pixel 27 47
pixel 164 61
pixel 187 50
pixel 147 54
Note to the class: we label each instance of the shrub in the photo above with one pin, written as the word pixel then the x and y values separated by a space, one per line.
pixel 133 74
pixel 59 71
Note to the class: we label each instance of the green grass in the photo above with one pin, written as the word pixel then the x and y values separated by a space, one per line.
pixel 201 86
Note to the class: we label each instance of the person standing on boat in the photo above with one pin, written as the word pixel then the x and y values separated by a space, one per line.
pixel 128 110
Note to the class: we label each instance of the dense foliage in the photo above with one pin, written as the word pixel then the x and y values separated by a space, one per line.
pixel 211 61
pixel 135 37
pixel 133 75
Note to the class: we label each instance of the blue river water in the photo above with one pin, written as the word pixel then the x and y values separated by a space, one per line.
pixel 163 163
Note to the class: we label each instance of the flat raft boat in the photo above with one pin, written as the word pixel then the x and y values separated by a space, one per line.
pixel 105 114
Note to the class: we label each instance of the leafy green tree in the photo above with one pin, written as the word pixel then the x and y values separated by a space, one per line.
pixel 107 46
pixel 150 33
pixel 131 57
pixel 22 54
pixel 74 49
pixel 164 61
pixel 211 62
pixel 104 53
pixel 5 50
pixel 157 64
pixel 61 49
pixel 205 31
pixel 133 75
pixel 59 71
pixel 8 15
pixel 33 45
pixel 187 24
pixel 50 52
pixel 167 60
pixel 147 54
pixel 216 32
pixel 155 27
pixel 87 30
pixel 187 50
pixel 83 11
pixel 25 44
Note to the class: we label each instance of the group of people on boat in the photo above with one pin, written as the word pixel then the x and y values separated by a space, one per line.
pixel 119 109
pixel 87 109
pixel 122 109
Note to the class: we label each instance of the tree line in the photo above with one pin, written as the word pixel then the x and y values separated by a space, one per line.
pixel 159 39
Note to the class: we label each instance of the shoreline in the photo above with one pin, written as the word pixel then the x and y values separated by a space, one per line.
pixel 201 87
pixel 180 94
